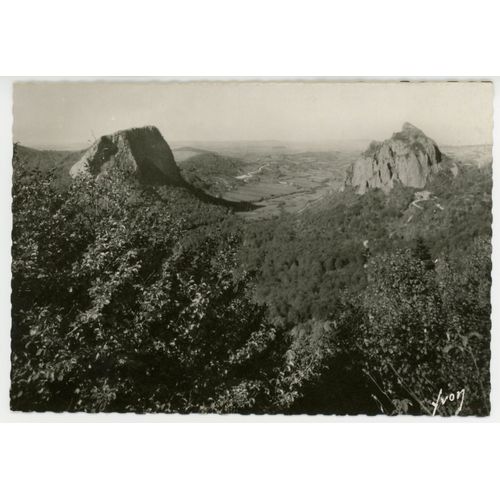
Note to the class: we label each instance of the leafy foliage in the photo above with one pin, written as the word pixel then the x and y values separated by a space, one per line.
pixel 415 337
pixel 121 304
pixel 128 298
pixel 306 263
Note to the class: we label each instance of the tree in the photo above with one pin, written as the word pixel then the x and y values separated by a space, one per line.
pixel 120 303
pixel 421 252
pixel 417 335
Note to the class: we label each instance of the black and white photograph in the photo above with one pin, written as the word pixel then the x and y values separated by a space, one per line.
pixel 252 247
pixel 249 250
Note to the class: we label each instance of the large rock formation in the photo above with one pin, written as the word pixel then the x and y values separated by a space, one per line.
pixel 409 157
pixel 141 152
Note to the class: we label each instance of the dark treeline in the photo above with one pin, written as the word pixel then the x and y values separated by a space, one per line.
pixel 127 298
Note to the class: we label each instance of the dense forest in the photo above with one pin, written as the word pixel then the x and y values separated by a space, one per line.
pixel 148 299
pixel 306 262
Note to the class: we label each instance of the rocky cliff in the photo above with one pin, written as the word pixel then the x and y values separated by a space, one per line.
pixel 141 152
pixel 409 157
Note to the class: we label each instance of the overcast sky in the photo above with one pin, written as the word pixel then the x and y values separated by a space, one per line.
pixel 68 114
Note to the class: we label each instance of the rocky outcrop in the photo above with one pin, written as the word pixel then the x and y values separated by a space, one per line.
pixel 409 157
pixel 141 152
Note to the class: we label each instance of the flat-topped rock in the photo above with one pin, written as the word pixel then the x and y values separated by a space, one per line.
pixel 141 152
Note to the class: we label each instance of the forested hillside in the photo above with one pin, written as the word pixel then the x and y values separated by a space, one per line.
pixel 150 299
pixel 305 262
pixel 59 162
pixel 212 173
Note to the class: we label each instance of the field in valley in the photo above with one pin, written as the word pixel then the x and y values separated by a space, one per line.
pixel 292 181
pixel 282 178
pixel 290 178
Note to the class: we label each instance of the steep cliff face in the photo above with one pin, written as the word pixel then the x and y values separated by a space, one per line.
pixel 141 152
pixel 408 157
pixel 144 155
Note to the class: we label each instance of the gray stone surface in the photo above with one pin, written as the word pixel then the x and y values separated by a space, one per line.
pixel 408 157
pixel 139 152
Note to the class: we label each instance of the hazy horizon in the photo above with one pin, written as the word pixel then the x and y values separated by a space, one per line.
pixel 71 115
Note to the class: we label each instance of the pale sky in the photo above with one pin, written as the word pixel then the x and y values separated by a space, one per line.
pixel 65 114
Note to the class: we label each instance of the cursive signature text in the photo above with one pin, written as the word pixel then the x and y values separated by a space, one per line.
pixel 441 400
